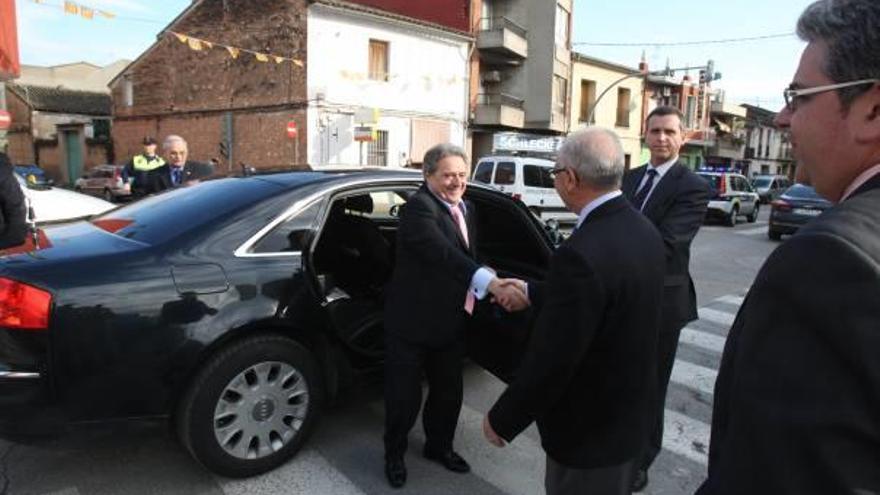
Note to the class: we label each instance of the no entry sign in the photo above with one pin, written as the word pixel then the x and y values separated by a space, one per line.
pixel 5 120
pixel 291 129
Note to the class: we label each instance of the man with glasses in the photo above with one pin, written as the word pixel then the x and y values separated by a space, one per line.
pixel 675 200
pixel 797 400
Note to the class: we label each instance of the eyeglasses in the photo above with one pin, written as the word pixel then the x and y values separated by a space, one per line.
pixel 791 94
pixel 556 171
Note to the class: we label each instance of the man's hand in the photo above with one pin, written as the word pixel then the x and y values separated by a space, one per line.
pixel 509 293
pixel 490 434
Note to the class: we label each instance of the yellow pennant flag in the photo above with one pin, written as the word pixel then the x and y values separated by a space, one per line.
pixel 261 57
pixel 106 15
pixel 297 63
pixel 208 44
pixel 233 51
pixel 87 13
pixel 71 8
pixel 195 44
pixel 278 59
pixel 181 37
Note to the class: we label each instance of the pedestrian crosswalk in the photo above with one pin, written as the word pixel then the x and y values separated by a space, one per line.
pixel 517 469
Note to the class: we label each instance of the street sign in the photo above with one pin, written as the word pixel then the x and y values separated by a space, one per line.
pixel 5 120
pixel 291 129
pixel 363 133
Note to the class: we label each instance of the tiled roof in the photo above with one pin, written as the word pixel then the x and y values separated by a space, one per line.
pixel 61 100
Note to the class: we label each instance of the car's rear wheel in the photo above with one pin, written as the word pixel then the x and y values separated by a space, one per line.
pixel 774 235
pixel 251 406
pixel 753 217
pixel 108 195
pixel 732 217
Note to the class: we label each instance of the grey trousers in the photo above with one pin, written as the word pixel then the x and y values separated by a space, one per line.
pixel 608 480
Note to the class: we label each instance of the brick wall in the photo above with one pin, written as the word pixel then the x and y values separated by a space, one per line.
pixel 180 91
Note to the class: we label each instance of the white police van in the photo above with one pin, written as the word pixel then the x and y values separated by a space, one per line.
pixel 527 179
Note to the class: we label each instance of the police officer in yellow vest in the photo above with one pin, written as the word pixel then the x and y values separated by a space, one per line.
pixel 137 173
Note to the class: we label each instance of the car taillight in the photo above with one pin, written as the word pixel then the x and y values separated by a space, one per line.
pixel 781 205
pixel 22 306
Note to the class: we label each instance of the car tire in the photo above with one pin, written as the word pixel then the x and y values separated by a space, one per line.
pixel 108 196
pixel 774 235
pixel 732 217
pixel 251 406
pixel 753 217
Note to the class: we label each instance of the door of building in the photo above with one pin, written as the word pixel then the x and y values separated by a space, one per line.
pixel 73 155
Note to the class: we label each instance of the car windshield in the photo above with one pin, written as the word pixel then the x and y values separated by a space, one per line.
pixel 158 218
pixel 713 180
pixel 802 191
pixel 762 181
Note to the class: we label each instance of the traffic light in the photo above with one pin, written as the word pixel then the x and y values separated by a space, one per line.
pixel 224 149
pixel 710 70
pixel 703 78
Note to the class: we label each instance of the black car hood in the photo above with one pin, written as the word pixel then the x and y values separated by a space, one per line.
pixel 66 242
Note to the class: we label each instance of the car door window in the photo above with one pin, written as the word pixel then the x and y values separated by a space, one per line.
pixel 484 172
pixel 292 234
pixel 532 176
pixel 505 174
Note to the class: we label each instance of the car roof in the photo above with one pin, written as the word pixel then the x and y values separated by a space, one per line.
pixel 524 159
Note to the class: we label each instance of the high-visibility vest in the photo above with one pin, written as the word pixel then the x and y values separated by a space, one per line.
pixel 141 163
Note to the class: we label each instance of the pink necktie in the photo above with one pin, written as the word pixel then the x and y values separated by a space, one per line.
pixel 469 299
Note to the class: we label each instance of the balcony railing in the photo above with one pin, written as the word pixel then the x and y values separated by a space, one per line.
pixel 500 99
pixel 501 22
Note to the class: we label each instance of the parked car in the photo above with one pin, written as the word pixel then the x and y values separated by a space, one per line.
pixel 769 187
pixel 528 180
pixel 732 196
pixel 798 205
pixel 104 181
pixel 33 175
pixel 54 205
pixel 230 309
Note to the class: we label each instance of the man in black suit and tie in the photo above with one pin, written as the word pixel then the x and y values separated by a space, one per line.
pixel 432 292
pixel 588 376
pixel 797 400
pixel 178 171
pixel 674 199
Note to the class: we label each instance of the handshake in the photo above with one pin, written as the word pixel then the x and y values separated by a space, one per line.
pixel 509 293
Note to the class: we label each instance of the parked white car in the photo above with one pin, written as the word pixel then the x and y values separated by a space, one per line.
pixel 53 205
pixel 528 180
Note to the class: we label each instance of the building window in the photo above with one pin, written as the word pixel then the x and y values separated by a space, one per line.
pixel 562 16
pixel 378 60
pixel 690 112
pixel 127 91
pixel 377 151
pixel 627 161
pixel 588 97
pixel 623 104
pixel 560 90
pixel 760 141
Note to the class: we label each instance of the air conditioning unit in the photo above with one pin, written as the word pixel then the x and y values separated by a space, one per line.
pixel 491 76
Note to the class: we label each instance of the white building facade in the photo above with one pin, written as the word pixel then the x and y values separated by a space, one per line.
pixel 402 85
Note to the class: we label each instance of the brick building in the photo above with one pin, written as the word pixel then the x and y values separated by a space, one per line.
pixel 210 97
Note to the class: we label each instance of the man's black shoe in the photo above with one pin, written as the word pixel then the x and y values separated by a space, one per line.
pixel 449 459
pixel 395 471
pixel 640 480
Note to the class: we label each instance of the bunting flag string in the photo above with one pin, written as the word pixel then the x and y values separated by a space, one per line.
pixel 73 8
pixel 198 44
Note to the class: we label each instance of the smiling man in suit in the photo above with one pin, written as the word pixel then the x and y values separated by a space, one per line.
pixel 797 400
pixel 432 292
pixel 588 376
pixel 674 199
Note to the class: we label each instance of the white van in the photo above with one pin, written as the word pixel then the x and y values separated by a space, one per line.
pixel 526 179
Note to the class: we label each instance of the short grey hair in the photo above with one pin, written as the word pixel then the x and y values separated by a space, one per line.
pixel 596 156
pixel 851 31
pixel 439 152
pixel 173 138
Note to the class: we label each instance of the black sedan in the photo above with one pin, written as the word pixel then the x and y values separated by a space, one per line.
pixel 794 208
pixel 237 308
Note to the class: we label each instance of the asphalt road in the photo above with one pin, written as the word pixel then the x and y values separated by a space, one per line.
pixel 344 456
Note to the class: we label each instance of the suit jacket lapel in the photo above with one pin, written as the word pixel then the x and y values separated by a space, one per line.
pixel 451 224
pixel 634 180
pixel 663 189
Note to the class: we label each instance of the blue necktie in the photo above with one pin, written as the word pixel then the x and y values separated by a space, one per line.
pixel 642 194
pixel 175 175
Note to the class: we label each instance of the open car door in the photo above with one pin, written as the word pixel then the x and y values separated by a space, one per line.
pixel 512 242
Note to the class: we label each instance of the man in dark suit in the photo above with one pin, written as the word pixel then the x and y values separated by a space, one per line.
pixel 674 199
pixel 797 400
pixel 178 171
pixel 13 208
pixel 433 288
pixel 588 375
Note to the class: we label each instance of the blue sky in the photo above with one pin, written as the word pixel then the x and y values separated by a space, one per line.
pixel 753 72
